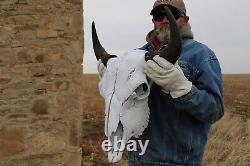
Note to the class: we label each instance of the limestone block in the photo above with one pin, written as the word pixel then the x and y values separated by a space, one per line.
pixel 39 70
pixel 19 71
pixel 58 22
pixel 26 35
pixel 74 1
pixel 46 86
pixel 5 36
pixel 40 58
pixel 11 141
pixel 60 70
pixel 72 52
pixel 8 2
pixel 56 126
pixel 68 104
pixel 12 133
pixel 10 148
pixel 74 160
pixel 5 59
pixel 22 111
pixel 4 111
pixel 40 2
pixel 16 43
pixel 10 93
pixel 62 85
pixel 46 33
pixel 17 118
pixel 4 81
pixel 55 57
pixel 47 143
pixel 24 57
pixel 75 23
pixel 74 135
pixel 40 107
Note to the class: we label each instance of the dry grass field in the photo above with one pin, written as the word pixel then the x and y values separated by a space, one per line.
pixel 229 140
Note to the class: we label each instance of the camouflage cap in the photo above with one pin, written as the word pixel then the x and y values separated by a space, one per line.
pixel 178 4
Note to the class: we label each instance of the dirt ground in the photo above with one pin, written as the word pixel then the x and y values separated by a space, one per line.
pixel 229 140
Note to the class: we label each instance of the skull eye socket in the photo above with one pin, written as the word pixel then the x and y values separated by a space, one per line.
pixel 141 88
pixel 142 91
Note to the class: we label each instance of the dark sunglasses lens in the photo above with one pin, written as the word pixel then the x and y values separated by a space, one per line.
pixel 176 14
pixel 158 16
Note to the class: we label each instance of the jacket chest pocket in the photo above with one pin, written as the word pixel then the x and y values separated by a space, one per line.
pixel 187 69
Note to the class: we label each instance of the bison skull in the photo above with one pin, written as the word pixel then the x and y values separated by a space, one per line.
pixel 125 88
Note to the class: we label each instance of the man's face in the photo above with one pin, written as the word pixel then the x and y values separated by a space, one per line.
pixel 161 23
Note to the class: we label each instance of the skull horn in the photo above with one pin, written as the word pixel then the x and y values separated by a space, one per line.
pixel 172 52
pixel 100 52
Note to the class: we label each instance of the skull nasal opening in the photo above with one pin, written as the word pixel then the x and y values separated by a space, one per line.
pixel 141 89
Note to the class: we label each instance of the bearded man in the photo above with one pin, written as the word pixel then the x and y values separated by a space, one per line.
pixel 185 99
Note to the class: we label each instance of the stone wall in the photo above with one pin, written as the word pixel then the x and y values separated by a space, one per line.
pixel 41 51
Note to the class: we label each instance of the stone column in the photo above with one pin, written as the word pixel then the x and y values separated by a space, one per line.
pixel 41 51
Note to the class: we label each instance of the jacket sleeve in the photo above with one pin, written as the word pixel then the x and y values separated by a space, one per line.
pixel 205 100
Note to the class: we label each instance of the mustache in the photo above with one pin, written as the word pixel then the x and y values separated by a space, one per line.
pixel 163 27
pixel 166 26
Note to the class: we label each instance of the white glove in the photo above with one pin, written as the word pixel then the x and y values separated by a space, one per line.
pixel 100 68
pixel 170 77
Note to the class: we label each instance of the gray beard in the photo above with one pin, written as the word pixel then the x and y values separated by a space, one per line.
pixel 162 35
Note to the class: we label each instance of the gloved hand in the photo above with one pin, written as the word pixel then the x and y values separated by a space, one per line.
pixel 170 77
pixel 100 68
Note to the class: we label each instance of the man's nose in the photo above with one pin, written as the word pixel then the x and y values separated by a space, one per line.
pixel 165 19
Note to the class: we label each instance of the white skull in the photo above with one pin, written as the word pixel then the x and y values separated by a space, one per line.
pixel 125 89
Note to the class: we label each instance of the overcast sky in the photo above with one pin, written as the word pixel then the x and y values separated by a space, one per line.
pixel 122 25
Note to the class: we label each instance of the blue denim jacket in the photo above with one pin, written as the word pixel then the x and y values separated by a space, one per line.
pixel 178 128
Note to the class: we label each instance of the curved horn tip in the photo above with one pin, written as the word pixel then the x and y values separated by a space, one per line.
pixel 100 52
pixel 173 50
pixel 93 26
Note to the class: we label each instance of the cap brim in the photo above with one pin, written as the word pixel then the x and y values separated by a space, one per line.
pixel 156 8
pixel 159 6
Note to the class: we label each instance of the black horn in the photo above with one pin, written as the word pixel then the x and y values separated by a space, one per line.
pixel 100 52
pixel 172 52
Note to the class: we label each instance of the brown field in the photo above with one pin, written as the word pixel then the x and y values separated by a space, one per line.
pixel 229 140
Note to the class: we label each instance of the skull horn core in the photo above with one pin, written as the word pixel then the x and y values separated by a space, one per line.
pixel 100 52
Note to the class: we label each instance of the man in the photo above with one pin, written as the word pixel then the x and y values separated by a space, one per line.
pixel 185 99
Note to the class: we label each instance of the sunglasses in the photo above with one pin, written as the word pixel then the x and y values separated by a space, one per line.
pixel 160 14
